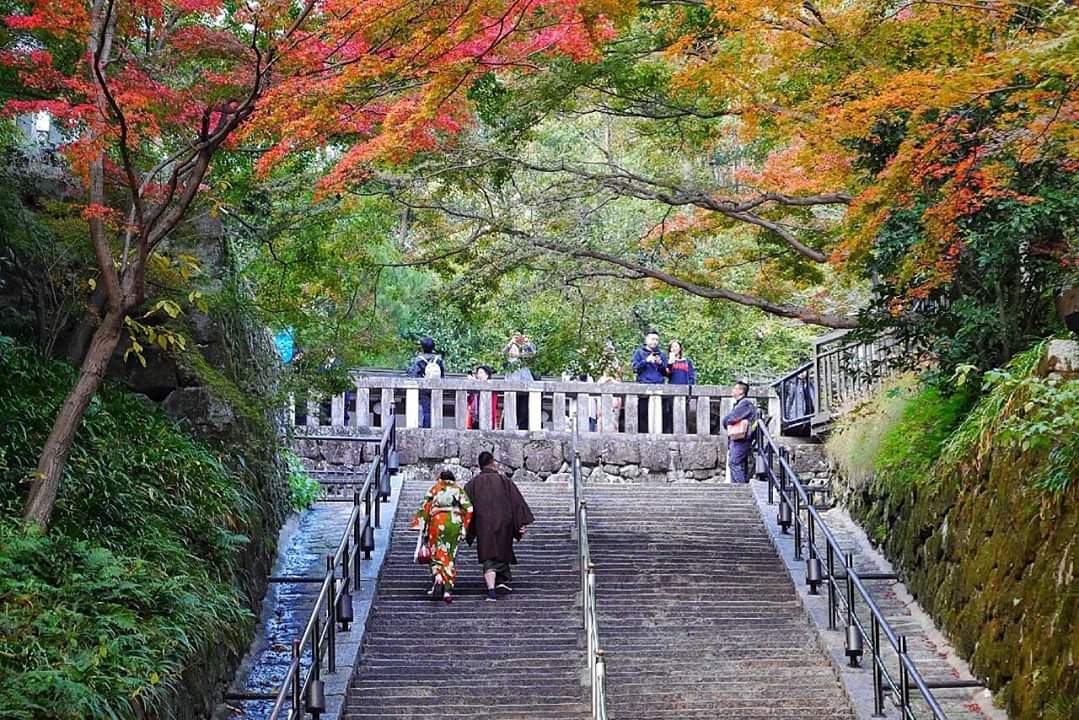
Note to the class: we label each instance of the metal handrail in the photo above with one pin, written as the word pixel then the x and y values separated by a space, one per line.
pixel 794 499
pixel 597 664
pixel 305 692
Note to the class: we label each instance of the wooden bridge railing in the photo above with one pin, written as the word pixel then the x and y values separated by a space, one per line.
pixel 846 371
pixel 623 408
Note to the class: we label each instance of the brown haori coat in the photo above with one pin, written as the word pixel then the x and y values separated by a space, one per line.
pixel 499 513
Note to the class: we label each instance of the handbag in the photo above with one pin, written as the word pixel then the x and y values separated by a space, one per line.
pixel 422 555
pixel 738 430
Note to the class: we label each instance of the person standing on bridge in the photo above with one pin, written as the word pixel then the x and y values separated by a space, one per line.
pixel 501 516
pixel 650 365
pixel 426 365
pixel 738 424
pixel 445 516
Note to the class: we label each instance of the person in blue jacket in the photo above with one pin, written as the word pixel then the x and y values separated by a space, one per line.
pixel 738 451
pixel 650 365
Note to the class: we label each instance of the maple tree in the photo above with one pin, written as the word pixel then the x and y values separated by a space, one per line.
pixel 871 143
pixel 159 88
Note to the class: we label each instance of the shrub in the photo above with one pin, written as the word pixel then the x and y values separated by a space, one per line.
pixel 99 616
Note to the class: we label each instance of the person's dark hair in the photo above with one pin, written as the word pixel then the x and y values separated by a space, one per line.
pixel 487 369
pixel 447 475
pixel 427 344
pixel 486 459
pixel 651 331
pixel 744 385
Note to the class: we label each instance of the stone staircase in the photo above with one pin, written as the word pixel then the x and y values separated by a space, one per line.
pixel 517 659
pixel 697 614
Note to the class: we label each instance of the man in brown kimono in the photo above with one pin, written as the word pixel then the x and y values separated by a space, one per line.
pixel 500 515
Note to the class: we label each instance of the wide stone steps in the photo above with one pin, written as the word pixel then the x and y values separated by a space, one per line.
pixel 517 659
pixel 698 617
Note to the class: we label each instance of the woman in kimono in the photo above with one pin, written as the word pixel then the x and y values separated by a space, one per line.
pixel 443 518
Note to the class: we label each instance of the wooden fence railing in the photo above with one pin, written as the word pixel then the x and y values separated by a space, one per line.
pixel 460 403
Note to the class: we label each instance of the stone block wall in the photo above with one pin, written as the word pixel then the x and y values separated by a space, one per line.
pixel 541 456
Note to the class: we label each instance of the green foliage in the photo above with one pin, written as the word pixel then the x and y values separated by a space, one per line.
pixel 303 489
pixel 999 298
pixel 135 575
pixel 1027 413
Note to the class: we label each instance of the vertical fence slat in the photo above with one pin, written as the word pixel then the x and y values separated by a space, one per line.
pixel 412 407
pixel 460 409
pixel 386 407
pixel 436 409
pixel 655 415
pixel 630 412
pixel 337 410
pixel 363 406
pixel 535 410
pixel 509 413
pixel 313 411
pixel 583 407
pixel 607 421
pixel 485 410
pixel 680 415
pixel 704 415
pixel 558 412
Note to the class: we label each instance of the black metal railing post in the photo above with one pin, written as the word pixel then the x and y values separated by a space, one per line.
pixel 796 512
pixel 832 606
pixel 331 617
pixel 904 679
pixel 878 676
pixel 357 540
pixel 297 702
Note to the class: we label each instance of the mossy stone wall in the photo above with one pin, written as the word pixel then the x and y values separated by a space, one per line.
pixel 991 558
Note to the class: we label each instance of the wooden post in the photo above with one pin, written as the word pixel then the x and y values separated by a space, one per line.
pixel 704 415
pixel 436 409
pixel 655 415
pixel 486 421
pixel 680 415
pixel 630 411
pixel 291 410
pixel 412 407
pixel 313 411
pixel 387 406
pixel 535 410
pixel 460 409
pixel 337 410
pixel 509 413
pixel 363 406
pixel 558 412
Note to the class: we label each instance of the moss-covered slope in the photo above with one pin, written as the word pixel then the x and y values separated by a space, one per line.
pixel 961 506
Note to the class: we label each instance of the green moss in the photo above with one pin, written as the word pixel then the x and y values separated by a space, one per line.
pixel 986 548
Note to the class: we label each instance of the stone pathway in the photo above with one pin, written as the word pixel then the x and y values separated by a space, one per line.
pixel 933 655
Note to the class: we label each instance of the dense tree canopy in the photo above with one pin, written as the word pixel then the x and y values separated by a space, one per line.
pixel 464 168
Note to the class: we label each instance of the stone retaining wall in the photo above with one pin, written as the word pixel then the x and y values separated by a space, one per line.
pixel 543 456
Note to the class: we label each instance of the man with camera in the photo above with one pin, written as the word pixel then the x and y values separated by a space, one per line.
pixel 650 365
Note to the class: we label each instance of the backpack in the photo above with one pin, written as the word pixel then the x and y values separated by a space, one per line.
pixel 431 369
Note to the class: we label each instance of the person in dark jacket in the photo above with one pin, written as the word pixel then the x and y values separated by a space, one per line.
pixel 500 516
pixel 650 365
pixel 738 450
pixel 680 369
pixel 426 365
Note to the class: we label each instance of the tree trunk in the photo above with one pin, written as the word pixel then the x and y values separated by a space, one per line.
pixel 53 458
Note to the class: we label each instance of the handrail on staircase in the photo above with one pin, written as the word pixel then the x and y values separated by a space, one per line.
pixel 597 665
pixel 796 509
pixel 304 693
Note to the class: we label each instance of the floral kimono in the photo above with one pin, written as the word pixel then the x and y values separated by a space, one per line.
pixel 446 513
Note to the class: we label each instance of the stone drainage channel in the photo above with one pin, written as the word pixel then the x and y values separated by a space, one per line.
pixel 303 545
